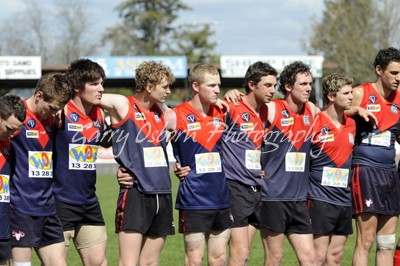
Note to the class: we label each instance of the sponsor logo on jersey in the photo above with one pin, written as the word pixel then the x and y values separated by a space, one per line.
pixel 194 126
pixel 372 98
pixel 306 120
pixel 394 108
pixel 32 134
pixel 74 117
pixel 246 116
pixel 139 116
pixel 4 184
pixel 41 160
pixel 246 126
pixel 6 152
pixel 191 118
pixel 31 123
pixel 75 127
pixel 325 130
pixel 84 153
pixel 96 123
pixel 285 113
pixel 157 117
pixel 216 122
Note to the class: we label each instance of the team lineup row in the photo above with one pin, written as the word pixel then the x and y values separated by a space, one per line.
pixel 306 178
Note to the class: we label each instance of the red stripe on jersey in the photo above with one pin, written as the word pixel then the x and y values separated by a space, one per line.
pixel 356 190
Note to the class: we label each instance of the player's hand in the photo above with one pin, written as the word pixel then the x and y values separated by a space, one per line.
pixel 234 96
pixel 222 105
pixel 181 172
pixel 368 116
pixel 262 174
pixel 124 178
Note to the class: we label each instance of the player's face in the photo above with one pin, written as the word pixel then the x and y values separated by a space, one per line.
pixel 301 90
pixel 8 127
pixel 45 109
pixel 344 98
pixel 92 92
pixel 209 89
pixel 390 77
pixel 264 90
pixel 160 92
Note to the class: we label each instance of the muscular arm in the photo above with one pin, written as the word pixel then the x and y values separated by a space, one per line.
pixel 116 105
pixel 356 109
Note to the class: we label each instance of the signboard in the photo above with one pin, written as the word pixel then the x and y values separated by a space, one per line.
pixel 124 66
pixel 20 67
pixel 236 66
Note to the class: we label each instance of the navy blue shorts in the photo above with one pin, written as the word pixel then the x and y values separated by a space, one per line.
pixel 375 191
pixel 286 217
pixel 35 231
pixel 5 250
pixel 194 221
pixel 72 216
pixel 330 219
pixel 148 214
pixel 245 204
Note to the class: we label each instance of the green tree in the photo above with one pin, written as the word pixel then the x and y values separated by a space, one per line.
pixel 148 28
pixel 192 40
pixel 350 33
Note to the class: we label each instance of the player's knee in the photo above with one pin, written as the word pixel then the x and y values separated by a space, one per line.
pixel 385 242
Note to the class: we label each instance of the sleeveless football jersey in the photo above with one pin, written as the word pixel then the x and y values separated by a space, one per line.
pixel 76 143
pixel 241 144
pixel 139 144
pixel 31 189
pixel 197 143
pixel 285 155
pixel 330 160
pixel 5 172
pixel 375 147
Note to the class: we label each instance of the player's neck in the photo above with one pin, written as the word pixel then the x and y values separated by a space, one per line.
pixel 296 107
pixel 383 92
pixel 201 107
pixel 335 114
pixel 85 108
pixel 144 100
pixel 251 101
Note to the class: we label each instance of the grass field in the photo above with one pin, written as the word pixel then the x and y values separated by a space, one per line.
pixel 173 253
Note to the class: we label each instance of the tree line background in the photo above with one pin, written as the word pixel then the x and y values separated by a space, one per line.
pixel 348 33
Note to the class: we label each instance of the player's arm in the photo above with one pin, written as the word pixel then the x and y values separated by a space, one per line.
pixel 233 96
pixel 105 140
pixel 356 109
pixel 117 106
pixel 170 123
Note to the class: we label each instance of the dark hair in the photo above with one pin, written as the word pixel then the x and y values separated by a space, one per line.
pixel 54 87
pixel 385 56
pixel 256 71
pixel 82 71
pixel 12 105
pixel 288 75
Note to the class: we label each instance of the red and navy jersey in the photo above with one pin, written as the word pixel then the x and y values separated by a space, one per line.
pixel 376 147
pixel 330 160
pixel 5 173
pixel 31 189
pixel 76 143
pixel 197 143
pixel 285 154
pixel 139 144
pixel 241 144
